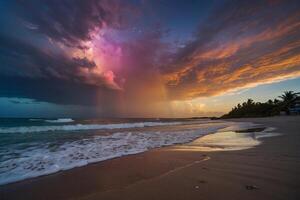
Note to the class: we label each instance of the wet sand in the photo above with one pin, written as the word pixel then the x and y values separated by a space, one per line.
pixel 268 171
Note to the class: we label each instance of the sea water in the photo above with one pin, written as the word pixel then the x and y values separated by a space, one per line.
pixel 35 147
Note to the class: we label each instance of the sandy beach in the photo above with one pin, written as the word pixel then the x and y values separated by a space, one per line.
pixel 268 171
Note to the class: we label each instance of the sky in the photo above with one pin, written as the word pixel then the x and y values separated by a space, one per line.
pixel 145 58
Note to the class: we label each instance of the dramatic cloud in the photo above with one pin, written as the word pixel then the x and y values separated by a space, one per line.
pixel 244 43
pixel 54 64
pixel 124 57
pixel 71 21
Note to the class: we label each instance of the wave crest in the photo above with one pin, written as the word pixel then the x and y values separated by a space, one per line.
pixel 60 120
pixel 79 127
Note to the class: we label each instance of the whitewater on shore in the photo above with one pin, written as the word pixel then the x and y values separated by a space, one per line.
pixel 31 148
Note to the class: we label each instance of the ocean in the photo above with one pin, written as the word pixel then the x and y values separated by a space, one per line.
pixel 35 147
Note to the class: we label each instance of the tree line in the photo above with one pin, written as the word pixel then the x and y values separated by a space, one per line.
pixel 269 108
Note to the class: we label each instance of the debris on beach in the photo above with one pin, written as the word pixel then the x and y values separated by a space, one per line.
pixel 251 187
pixel 251 130
pixel 202 181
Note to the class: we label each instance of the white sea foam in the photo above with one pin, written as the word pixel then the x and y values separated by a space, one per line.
pixel 75 127
pixel 60 120
pixel 46 158
pixel 35 120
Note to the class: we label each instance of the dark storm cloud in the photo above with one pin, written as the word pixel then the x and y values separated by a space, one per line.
pixel 243 43
pixel 26 71
pixel 39 66
pixel 84 62
pixel 23 59
pixel 69 21
pixel 55 91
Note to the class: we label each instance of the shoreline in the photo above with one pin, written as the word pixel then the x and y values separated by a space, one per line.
pixel 114 155
pixel 133 174
pixel 249 128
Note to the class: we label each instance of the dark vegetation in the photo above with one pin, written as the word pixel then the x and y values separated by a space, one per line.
pixel 266 109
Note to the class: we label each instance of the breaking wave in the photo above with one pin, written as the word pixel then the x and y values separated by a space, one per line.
pixel 78 127
pixel 46 158
pixel 60 120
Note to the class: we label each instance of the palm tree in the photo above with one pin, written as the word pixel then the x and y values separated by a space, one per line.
pixel 276 101
pixel 288 97
pixel 250 102
pixel 270 102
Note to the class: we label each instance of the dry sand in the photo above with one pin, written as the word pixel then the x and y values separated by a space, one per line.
pixel 268 171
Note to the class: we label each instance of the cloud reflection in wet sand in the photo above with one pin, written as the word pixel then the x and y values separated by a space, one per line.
pixel 227 141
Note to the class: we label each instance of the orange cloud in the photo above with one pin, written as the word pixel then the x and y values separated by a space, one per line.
pixel 242 55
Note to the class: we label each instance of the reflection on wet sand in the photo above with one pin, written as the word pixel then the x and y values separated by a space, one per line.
pixel 228 140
